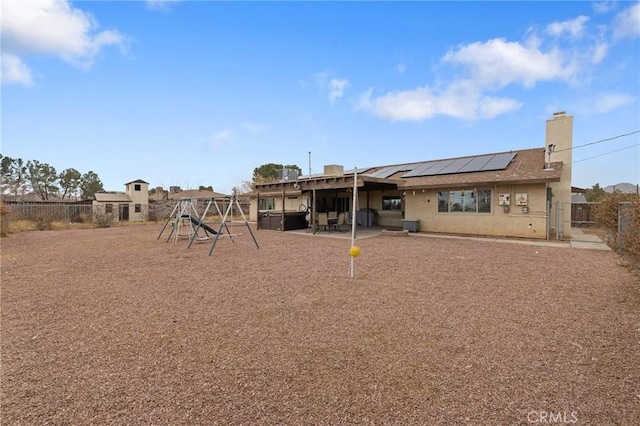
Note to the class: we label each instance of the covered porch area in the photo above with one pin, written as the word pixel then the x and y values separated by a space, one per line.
pixel 305 203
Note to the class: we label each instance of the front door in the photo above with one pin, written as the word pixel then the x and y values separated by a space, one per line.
pixel 124 212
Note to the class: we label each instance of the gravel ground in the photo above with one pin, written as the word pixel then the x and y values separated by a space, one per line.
pixel 113 326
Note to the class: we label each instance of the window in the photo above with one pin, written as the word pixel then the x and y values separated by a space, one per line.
pixel 109 208
pixel 341 204
pixel 267 204
pixel 137 187
pixel 392 202
pixel 484 201
pixel 465 201
pixel 138 208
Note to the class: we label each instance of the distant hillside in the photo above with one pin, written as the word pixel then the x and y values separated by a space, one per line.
pixel 627 188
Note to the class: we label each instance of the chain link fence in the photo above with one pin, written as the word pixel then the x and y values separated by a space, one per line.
pixel 47 215
pixel 583 215
pixel 57 215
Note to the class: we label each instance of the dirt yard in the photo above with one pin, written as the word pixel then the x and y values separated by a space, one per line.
pixel 113 326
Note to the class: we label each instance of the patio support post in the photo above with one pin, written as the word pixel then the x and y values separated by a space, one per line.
pixel 282 217
pixel 368 219
pixel 313 211
pixel 258 211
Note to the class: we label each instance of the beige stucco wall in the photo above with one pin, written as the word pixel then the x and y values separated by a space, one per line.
pixel 373 200
pixel 423 205
pixel 560 133
pixel 291 203
pixel 138 197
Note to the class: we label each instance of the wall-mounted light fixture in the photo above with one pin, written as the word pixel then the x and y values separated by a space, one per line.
pixel 550 149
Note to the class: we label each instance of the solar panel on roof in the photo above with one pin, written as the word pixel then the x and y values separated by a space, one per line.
pixel 476 164
pixel 419 168
pixel 379 173
pixel 462 165
pixel 441 165
pixel 385 172
pixel 454 167
pixel 499 161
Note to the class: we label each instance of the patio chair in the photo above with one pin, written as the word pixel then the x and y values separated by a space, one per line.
pixel 323 221
pixel 341 221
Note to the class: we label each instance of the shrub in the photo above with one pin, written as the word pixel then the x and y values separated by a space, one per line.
pixel 84 218
pixel 4 220
pixel 43 221
pixel 607 215
pixel 104 219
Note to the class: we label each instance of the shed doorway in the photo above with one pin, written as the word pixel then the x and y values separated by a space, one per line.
pixel 124 212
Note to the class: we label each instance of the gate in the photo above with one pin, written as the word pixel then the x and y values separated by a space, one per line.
pixel 581 225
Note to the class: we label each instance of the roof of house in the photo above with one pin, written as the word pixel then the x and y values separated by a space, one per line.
pixel 195 193
pixel 526 166
pixel 513 167
pixel 114 197
pixel 137 181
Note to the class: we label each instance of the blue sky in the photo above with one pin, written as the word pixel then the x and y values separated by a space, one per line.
pixel 196 93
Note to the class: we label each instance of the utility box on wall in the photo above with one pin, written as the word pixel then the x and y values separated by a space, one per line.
pixel 411 225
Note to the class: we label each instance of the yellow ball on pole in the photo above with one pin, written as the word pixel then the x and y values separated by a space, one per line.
pixel 354 251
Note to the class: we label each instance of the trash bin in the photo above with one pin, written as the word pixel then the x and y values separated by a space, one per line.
pixel 411 225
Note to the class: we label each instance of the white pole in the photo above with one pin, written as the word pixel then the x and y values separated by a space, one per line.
pixel 353 215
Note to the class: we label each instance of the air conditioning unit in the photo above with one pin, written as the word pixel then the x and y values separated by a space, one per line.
pixel 333 170
pixel 288 175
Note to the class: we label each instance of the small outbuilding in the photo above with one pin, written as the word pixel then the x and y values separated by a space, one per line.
pixel 131 205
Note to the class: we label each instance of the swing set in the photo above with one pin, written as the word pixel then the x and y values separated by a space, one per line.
pixel 187 223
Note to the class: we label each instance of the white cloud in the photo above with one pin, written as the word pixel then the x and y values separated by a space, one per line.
pixel 472 75
pixel 14 71
pixel 599 51
pixel 574 27
pixel 56 28
pixel 610 101
pixel 331 86
pixel 627 23
pixel 401 68
pixel 337 87
pixel 459 100
pixel 162 5
pixel 221 138
pixel 497 63
pixel 604 6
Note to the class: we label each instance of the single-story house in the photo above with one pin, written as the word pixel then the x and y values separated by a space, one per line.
pixel 516 193
pixel 131 205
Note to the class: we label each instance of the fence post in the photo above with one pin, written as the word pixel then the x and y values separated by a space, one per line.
pixel 622 224
pixel 557 224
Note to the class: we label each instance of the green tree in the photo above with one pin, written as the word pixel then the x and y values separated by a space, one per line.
pixel 270 172
pixel 205 188
pixel 13 173
pixel 43 178
pixel 70 181
pixel 90 185
pixel 595 193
